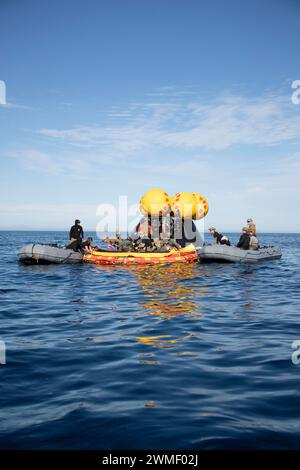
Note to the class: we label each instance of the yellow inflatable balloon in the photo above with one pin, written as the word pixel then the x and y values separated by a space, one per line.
pixel 184 204
pixel 201 206
pixel 155 202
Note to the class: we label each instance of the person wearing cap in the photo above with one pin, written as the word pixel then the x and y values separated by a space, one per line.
pixel 251 225
pixel 244 241
pixel 219 238
pixel 76 232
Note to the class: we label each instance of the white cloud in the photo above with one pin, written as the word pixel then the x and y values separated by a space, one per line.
pixel 45 216
pixel 179 143
pixel 190 124
pixel 269 193
pixel 77 165
pixel 40 161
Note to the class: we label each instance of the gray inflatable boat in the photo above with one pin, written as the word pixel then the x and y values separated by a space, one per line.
pixel 232 254
pixel 35 253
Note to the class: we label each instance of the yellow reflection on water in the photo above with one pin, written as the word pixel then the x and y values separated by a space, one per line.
pixel 165 291
pixel 162 341
pixel 167 294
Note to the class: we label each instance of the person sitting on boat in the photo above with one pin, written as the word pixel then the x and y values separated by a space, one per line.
pixel 164 245
pixel 244 240
pixel 142 237
pixel 118 244
pixel 253 245
pixel 76 231
pixel 125 245
pixel 251 225
pixel 75 245
pixel 143 244
pixel 86 245
pixel 219 238
pixel 112 243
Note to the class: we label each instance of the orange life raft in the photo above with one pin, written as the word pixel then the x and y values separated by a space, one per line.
pixel 184 255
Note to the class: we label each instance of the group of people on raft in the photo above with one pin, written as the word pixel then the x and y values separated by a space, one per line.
pixel 160 234
pixel 248 239
pixel 152 234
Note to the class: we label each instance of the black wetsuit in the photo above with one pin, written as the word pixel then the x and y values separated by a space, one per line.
pixel 221 239
pixel 76 232
pixel 218 237
pixel 244 241
pixel 85 244
pixel 125 245
pixel 75 245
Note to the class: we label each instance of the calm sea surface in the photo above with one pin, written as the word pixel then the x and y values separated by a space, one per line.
pixel 181 356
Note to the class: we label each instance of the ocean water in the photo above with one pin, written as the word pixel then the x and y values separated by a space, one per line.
pixel 180 357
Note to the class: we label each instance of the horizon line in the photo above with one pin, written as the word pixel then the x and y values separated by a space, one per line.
pixel 124 231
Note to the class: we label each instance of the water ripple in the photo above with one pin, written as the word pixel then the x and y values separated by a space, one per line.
pixel 195 356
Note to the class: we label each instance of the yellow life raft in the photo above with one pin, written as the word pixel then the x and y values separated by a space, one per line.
pixel 184 255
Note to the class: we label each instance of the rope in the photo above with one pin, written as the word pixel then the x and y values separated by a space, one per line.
pixel 32 254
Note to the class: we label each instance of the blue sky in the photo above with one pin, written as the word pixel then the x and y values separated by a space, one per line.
pixel 113 98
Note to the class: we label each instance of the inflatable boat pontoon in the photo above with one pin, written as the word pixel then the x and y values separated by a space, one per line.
pixel 184 255
pixel 37 253
pixel 232 254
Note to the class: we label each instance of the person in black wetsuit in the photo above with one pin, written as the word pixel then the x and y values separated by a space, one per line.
pixel 79 246
pixel 76 231
pixel 75 245
pixel 244 241
pixel 219 238
pixel 86 245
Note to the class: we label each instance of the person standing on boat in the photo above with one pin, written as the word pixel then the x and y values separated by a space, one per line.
pixel 76 232
pixel 251 225
pixel 244 241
